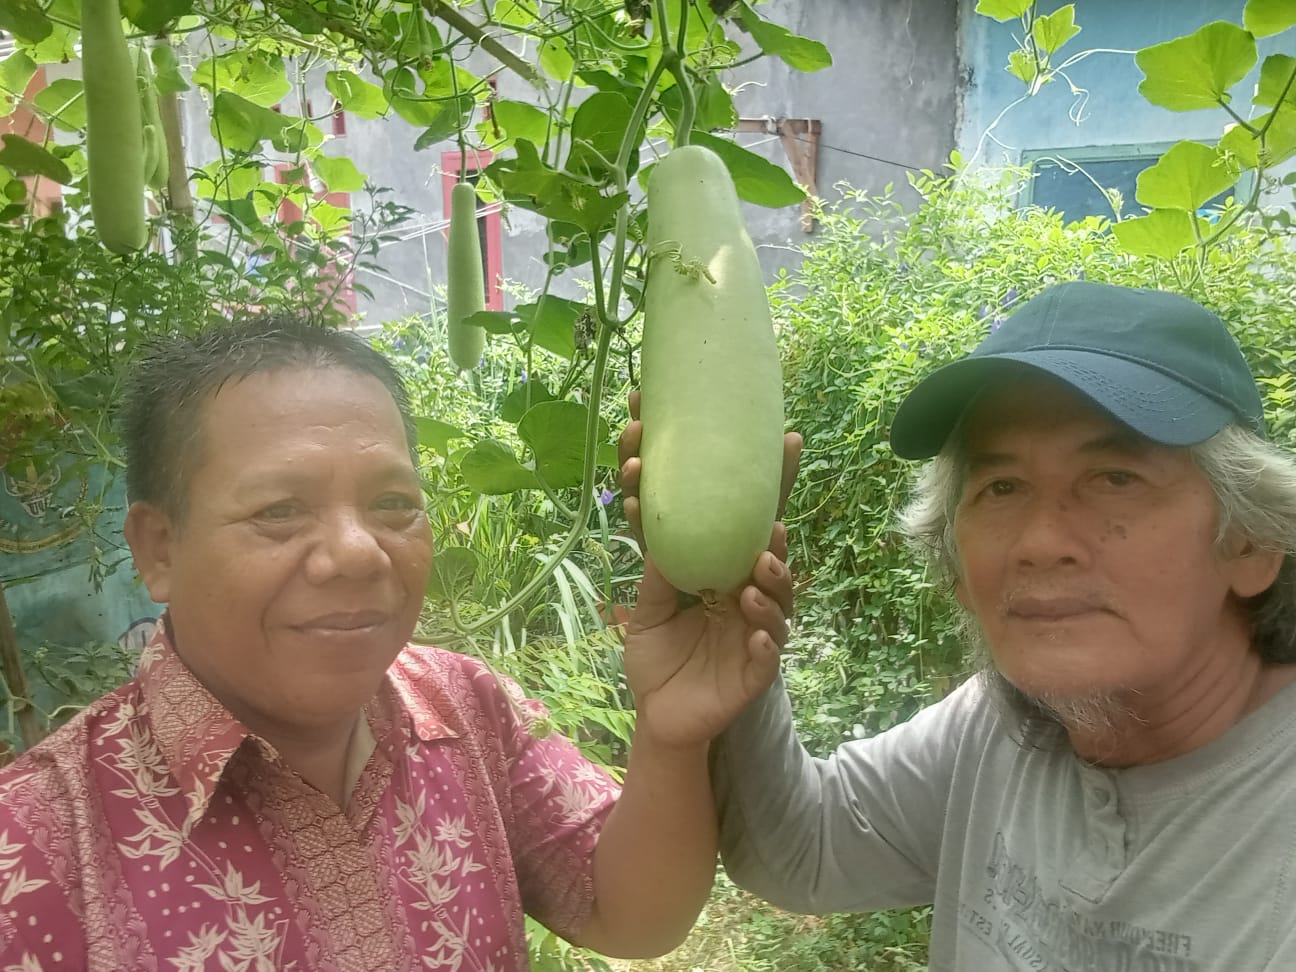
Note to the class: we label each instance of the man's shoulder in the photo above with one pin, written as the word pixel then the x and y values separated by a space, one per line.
pixel 56 773
pixel 458 687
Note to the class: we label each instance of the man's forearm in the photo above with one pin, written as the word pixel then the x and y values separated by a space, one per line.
pixel 656 858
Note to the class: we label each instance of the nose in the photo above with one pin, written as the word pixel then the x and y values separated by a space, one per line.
pixel 347 547
pixel 1049 534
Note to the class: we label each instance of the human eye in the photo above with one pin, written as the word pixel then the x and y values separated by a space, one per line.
pixel 1118 478
pixel 401 507
pixel 282 511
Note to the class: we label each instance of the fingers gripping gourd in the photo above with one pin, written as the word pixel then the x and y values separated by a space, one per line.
pixel 114 130
pixel 712 390
pixel 465 289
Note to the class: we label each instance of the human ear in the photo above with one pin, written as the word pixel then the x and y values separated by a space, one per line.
pixel 1252 570
pixel 151 536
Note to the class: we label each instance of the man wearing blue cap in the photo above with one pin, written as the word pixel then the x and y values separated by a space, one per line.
pixel 1114 790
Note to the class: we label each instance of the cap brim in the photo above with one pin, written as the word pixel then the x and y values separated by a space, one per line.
pixel 1153 405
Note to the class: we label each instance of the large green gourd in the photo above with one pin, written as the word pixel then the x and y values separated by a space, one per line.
pixel 114 130
pixel 465 290
pixel 712 390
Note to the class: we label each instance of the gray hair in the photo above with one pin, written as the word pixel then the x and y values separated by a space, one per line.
pixel 1254 482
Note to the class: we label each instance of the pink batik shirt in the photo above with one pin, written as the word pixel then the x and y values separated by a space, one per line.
pixel 156 832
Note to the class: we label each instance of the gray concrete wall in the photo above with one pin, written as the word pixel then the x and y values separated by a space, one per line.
pixel 888 104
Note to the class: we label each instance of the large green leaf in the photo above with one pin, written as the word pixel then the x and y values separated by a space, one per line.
pixel 16 72
pixel 166 70
pixel 555 59
pixel 552 322
pixel 252 75
pixel 491 467
pixel 1276 82
pixel 596 132
pixel 1265 17
pixel 60 46
pixel 714 106
pixel 1053 30
pixel 1163 233
pixel 1002 10
pixel 799 53
pixel 555 433
pixel 1186 177
pixel 529 183
pixel 63 103
pixel 24 158
pixel 453 570
pixel 513 14
pixel 151 16
pixel 338 174
pixel 356 95
pixel 1197 71
pixel 522 397
pixel 241 125
pixel 430 106
pixel 25 20
pixel 436 435
pixel 757 179
pixel 514 120
pixel 1279 129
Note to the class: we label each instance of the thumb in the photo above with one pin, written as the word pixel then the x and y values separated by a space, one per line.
pixel 762 664
pixel 657 602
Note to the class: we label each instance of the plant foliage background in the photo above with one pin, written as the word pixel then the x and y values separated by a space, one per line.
pixel 533 557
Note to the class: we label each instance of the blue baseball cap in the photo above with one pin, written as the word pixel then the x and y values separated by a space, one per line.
pixel 1158 362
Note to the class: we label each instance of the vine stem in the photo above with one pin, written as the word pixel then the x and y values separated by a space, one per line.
pixel 606 301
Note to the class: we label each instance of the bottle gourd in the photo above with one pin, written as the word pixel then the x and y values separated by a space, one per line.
pixel 712 391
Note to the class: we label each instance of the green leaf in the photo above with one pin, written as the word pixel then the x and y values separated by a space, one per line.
pixel 428 108
pixel 596 132
pixel 252 75
pixel 1242 145
pixel 1163 233
pixel 356 95
pixel 555 433
pixel 757 180
pixel 62 102
pixel 1053 30
pixel 1197 71
pixel 453 570
pixel 798 53
pixel 1186 177
pixel 1022 64
pixel 16 72
pixel 522 397
pixel 714 110
pixel 338 174
pixel 490 467
pixel 151 16
pixel 552 323
pixel 516 119
pixel 166 70
pixel 1276 81
pixel 529 183
pixel 1279 140
pixel 513 14
pixel 305 20
pixel 25 20
pixel 1002 10
pixel 241 125
pixel 436 435
pixel 555 59
pixel 498 322
pixel 1265 17
pixel 24 158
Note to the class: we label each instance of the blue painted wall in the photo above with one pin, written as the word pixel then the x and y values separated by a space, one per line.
pixel 1114 113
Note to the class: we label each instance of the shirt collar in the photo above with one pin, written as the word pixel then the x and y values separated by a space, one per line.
pixel 198 736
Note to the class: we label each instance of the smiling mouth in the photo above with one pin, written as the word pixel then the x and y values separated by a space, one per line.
pixel 344 622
